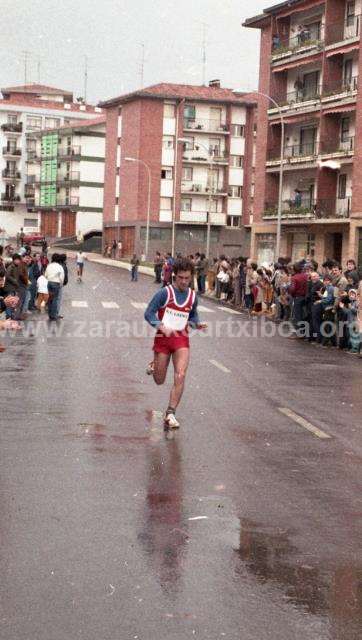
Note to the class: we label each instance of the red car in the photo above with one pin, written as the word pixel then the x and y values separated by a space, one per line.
pixel 33 238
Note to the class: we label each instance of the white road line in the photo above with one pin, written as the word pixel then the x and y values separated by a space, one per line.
pixel 110 305
pixel 200 307
pixel 237 313
pixel 79 303
pixel 139 305
pixel 304 423
pixel 219 366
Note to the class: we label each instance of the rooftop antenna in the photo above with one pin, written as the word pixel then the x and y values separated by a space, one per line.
pixel 204 25
pixel 26 54
pixel 38 69
pixel 85 77
pixel 142 70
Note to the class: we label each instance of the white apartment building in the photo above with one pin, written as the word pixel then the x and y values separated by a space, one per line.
pixel 24 111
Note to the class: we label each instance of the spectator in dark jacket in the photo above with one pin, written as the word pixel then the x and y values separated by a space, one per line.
pixel 298 291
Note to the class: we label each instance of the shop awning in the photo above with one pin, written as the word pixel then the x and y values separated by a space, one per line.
pixel 297 63
pixel 346 109
pixel 342 51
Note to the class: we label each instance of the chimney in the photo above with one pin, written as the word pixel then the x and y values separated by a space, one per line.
pixel 215 84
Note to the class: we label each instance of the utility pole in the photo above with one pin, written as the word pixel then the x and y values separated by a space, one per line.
pixel 26 54
pixel 85 77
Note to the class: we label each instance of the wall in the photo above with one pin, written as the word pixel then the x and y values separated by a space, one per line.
pixel 110 163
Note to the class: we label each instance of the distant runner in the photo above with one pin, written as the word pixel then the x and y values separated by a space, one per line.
pixel 171 311
pixel 80 265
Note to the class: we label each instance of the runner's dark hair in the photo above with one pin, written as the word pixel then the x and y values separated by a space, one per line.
pixel 183 264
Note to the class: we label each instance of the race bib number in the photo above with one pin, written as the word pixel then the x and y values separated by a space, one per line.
pixel 175 320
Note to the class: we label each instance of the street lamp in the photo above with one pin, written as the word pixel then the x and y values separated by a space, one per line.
pixel 143 163
pixel 211 162
pixel 281 170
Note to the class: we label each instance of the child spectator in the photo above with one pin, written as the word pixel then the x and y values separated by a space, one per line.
pixel 42 289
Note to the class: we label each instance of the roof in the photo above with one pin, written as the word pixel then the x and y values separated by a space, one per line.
pixel 275 8
pixel 167 90
pixel 72 125
pixel 37 89
pixel 21 103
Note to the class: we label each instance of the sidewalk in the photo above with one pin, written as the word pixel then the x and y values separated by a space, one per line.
pixel 113 262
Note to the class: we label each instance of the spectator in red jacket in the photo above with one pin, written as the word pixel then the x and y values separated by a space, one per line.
pixel 298 291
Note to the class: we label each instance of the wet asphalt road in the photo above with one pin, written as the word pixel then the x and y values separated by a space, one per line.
pixel 242 525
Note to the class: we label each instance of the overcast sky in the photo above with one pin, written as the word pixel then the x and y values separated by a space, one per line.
pixel 61 33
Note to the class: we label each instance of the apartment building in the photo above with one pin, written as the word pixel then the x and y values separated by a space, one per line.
pixel 310 66
pixel 24 111
pixel 186 151
pixel 64 185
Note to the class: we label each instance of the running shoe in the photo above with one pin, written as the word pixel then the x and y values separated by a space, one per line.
pixel 171 422
pixel 150 368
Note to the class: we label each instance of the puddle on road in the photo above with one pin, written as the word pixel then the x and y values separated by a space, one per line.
pixel 334 594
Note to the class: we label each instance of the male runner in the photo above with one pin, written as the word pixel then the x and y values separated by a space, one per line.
pixel 171 311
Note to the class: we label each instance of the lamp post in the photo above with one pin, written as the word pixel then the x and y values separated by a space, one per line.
pixel 212 164
pixel 144 164
pixel 281 170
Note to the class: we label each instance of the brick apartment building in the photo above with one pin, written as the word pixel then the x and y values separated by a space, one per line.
pixel 66 177
pixel 197 143
pixel 310 65
pixel 26 110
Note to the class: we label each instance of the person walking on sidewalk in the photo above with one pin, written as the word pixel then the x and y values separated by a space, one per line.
pixel 134 268
pixel 171 311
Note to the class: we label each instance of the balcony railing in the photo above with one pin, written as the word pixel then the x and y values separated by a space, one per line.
pixel 340 31
pixel 336 87
pixel 68 201
pixel 344 146
pixel 334 207
pixel 10 197
pixel 69 151
pixel 304 94
pixel 294 151
pixel 306 208
pixel 30 201
pixel 9 127
pixel 8 151
pixel 72 176
pixel 197 124
pixel 306 38
pixel 11 175
pixel 215 155
pixel 200 189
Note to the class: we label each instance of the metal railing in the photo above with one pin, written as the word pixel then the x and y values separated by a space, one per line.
pixel 69 151
pixel 306 207
pixel 299 95
pixel 343 30
pixel 346 85
pixel 201 189
pixel 13 175
pixel 72 176
pixel 30 201
pixel 304 39
pixel 12 127
pixel 8 151
pixel 6 197
pixel 197 124
pixel 333 207
pixel 68 201
pixel 346 145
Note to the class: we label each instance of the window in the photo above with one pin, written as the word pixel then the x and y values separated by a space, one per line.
pixel 235 192
pixel 189 112
pixel 186 204
pixel 12 118
pixel 157 233
pixel 168 110
pixel 52 123
pixel 214 146
pixel 167 142
pixel 215 116
pixel 117 200
pixel 238 130
pixel 33 122
pixel 236 161
pixel 166 204
pixel 350 13
pixel 189 143
pixel 31 144
pixel 166 173
pixel 196 235
pixel 31 222
pixel 345 122
pixel 347 71
pixel 342 186
pixel 187 173
pixel 233 221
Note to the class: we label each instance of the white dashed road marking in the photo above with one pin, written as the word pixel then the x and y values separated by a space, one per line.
pixel 237 313
pixel 79 303
pixel 200 307
pixel 304 423
pixel 139 305
pixel 110 305
pixel 219 366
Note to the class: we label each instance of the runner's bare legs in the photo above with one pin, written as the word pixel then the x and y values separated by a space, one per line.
pixel 180 359
pixel 160 366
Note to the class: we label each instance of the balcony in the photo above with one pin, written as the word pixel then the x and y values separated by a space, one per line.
pixel 339 148
pixel 294 154
pixel 69 152
pixel 30 201
pixel 11 175
pixel 205 126
pixel 202 190
pixel 11 153
pixel 340 88
pixel 10 197
pixel 65 202
pixel 340 32
pixel 62 154
pixel 31 155
pixel 334 208
pixel 306 209
pixel 307 41
pixel 201 217
pixel 321 209
pixel 299 96
pixel 72 176
pixel 198 157
pixel 9 127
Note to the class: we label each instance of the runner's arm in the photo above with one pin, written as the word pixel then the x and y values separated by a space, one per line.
pixel 194 319
pixel 158 301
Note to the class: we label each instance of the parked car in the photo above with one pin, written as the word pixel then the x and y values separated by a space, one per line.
pixel 34 238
